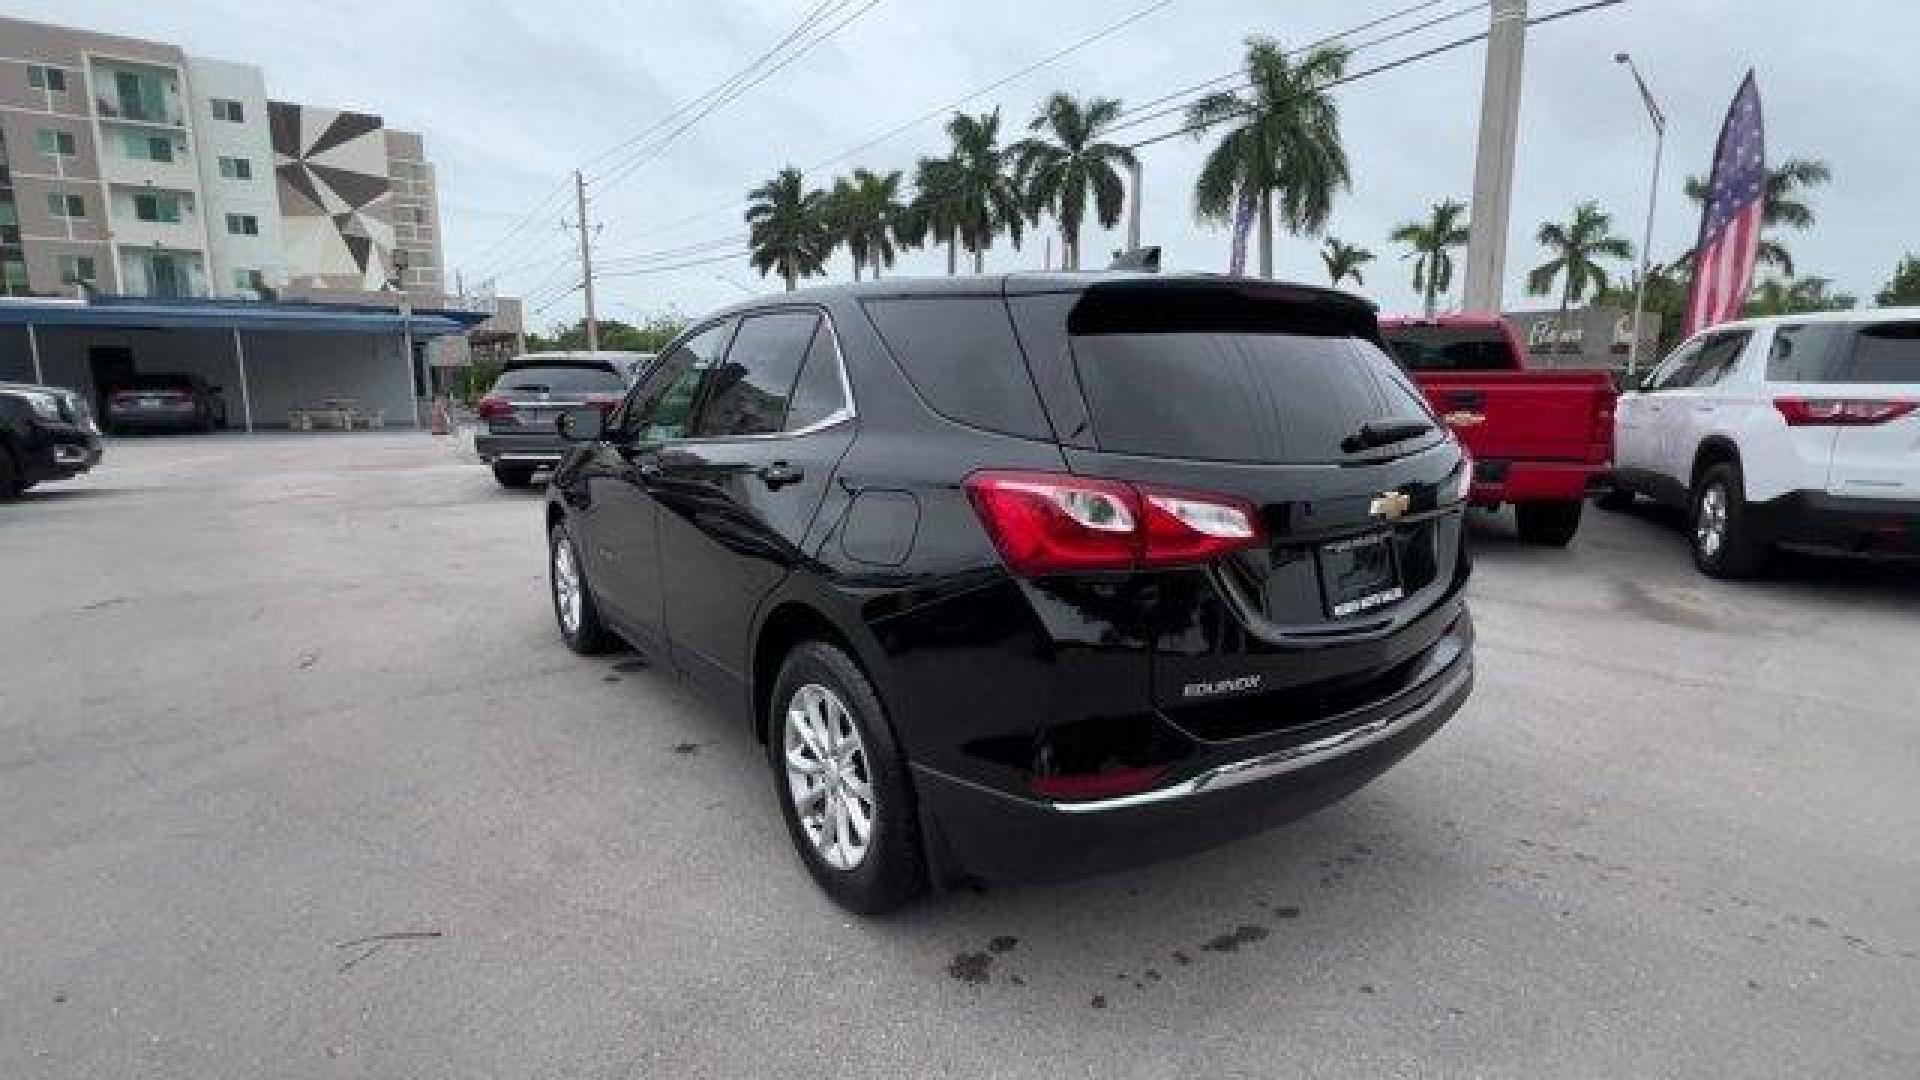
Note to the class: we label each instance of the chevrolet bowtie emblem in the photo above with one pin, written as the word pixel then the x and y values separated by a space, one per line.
pixel 1389 504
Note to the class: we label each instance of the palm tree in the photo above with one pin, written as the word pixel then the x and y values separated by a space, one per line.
pixel 866 217
pixel 1785 204
pixel 1430 241
pixel 984 197
pixel 1288 143
pixel 789 228
pixel 932 215
pixel 1573 247
pixel 1058 174
pixel 1777 296
pixel 1344 261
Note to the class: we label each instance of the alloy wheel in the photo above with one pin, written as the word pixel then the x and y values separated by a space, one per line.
pixel 1710 522
pixel 828 776
pixel 566 586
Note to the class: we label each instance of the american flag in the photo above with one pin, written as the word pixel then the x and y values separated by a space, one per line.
pixel 1730 226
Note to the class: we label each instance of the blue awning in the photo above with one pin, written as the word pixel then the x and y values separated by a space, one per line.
pixel 151 313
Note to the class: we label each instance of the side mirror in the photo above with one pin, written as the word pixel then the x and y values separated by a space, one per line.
pixel 582 425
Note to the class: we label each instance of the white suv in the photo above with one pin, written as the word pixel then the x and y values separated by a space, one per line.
pixel 1801 430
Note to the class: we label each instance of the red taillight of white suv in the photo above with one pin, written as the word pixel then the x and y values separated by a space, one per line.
pixel 1841 412
pixel 1056 523
pixel 494 407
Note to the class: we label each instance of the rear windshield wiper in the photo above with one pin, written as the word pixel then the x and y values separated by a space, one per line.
pixel 1372 436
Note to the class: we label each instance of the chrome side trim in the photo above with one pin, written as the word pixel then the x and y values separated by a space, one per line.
pixel 552 458
pixel 1294 758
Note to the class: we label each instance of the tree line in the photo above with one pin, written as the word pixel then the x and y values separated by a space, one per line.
pixel 1277 156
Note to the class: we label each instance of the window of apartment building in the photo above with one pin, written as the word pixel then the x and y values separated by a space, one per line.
pixel 228 109
pixel 236 168
pixel 249 279
pixel 42 77
pixel 63 205
pixel 56 142
pixel 13 276
pixel 75 268
pixel 149 147
pixel 9 220
pixel 153 206
pixel 243 225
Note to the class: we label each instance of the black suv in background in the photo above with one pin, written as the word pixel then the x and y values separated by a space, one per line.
pixel 530 394
pixel 46 433
pixel 164 401
pixel 1031 576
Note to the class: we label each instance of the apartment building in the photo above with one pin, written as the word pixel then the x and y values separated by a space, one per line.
pixel 133 168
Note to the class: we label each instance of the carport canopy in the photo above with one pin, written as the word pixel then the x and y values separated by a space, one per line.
pixel 153 313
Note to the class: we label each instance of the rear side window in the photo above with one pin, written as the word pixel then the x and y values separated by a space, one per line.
pixel 748 394
pixel 1449 348
pixel 819 393
pixel 1887 353
pixel 559 379
pixel 1240 396
pixel 1845 353
pixel 961 356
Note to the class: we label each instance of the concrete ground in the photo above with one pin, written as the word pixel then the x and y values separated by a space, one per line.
pixel 267 700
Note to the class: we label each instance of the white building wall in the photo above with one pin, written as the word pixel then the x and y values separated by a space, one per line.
pixel 250 141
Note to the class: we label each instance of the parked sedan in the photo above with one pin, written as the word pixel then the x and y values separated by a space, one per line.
pixel 46 433
pixel 531 392
pixel 165 401
pixel 1032 576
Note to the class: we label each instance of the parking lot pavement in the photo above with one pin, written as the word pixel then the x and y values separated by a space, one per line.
pixel 265 698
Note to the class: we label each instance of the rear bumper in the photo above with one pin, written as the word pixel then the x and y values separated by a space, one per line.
pixel 154 421
pixel 996 835
pixel 1888 528
pixel 1497 482
pixel 530 449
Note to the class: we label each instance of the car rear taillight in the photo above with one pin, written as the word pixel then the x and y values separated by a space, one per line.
pixel 1841 412
pixel 1056 523
pixel 495 407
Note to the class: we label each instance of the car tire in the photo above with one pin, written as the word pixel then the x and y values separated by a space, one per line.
pixel 580 626
pixel 1722 536
pixel 513 476
pixel 821 690
pixel 1547 524
pixel 1615 498
pixel 12 483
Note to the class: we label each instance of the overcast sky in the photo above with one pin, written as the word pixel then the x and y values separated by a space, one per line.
pixel 511 95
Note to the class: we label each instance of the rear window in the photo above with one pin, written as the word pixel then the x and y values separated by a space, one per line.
pixel 157 382
pixel 1449 348
pixel 1236 396
pixel 1888 353
pixel 960 354
pixel 1846 353
pixel 560 379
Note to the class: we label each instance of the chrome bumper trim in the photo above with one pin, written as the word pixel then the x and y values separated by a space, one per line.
pixel 1293 758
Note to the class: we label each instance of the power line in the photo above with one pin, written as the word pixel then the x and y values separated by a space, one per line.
pixel 1139 117
pixel 809 21
pixel 653 151
pixel 487 258
pixel 684 265
pixel 898 129
pixel 1377 69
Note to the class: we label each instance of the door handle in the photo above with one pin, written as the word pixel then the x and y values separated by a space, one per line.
pixel 779 474
pixel 1703 408
pixel 1466 399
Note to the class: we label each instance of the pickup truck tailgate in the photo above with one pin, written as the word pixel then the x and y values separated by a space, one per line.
pixel 1527 415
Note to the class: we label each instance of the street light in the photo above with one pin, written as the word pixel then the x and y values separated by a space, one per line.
pixel 1653 196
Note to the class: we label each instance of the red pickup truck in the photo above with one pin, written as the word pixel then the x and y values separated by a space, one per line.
pixel 1538 438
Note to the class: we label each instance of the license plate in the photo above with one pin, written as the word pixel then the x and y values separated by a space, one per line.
pixel 150 402
pixel 537 417
pixel 1358 575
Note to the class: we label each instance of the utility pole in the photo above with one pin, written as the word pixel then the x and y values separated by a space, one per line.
pixel 586 258
pixel 1133 205
pixel 1659 119
pixel 1493 168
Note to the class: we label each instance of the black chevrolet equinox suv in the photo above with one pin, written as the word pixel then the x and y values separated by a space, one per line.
pixel 1030 576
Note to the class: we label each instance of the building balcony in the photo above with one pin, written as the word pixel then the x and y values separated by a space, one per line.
pixel 127 112
pixel 180 174
pixel 182 235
